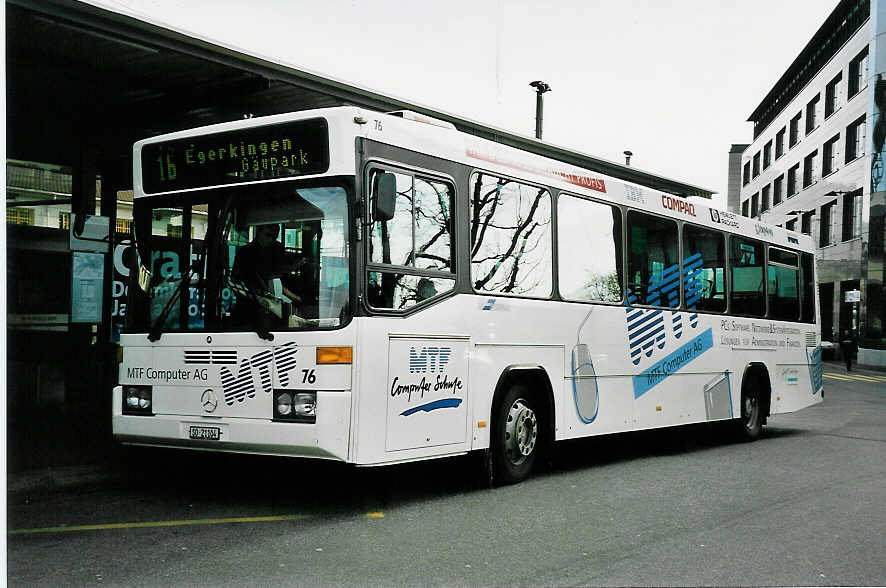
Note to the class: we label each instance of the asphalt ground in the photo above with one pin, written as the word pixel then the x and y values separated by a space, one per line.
pixel 688 506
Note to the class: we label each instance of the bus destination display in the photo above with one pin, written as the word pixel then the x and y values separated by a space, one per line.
pixel 261 153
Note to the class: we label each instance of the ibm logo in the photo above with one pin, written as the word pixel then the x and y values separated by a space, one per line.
pixel 428 359
pixel 646 327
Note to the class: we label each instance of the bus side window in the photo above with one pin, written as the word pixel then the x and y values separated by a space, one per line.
pixel 807 277
pixel 746 285
pixel 511 241
pixel 704 269
pixel 589 261
pixel 653 261
pixel 783 287
pixel 410 254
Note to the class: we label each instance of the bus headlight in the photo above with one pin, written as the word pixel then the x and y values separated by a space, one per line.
pixel 284 404
pixel 295 407
pixel 137 400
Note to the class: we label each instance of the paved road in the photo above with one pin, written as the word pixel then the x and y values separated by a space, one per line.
pixel 803 506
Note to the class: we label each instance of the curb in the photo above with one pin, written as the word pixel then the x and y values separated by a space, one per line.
pixel 56 478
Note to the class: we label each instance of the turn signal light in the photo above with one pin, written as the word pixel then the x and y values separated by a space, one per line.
pixel 335 355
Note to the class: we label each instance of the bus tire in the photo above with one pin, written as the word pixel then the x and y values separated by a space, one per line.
pixel 750 424
pixel 517 436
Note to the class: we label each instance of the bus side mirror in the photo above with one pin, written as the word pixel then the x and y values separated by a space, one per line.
pixel 385 194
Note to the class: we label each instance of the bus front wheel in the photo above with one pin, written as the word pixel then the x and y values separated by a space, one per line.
pixel 516 437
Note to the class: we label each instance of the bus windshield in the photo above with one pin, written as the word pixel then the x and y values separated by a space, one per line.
pixel 268 258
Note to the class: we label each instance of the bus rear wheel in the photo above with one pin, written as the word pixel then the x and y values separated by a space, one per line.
pixel 751 422
pixel 517 436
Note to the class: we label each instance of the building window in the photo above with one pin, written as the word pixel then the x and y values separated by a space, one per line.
pixel 831 99
pixel 19 216
pixel 852 215
pixel 756 164
pixel 858 72
pixel 746 174
pixel 778 190
pixel 855 137
pixel 64 220
pixel 779 143
pixel 809 175
pixel 764 198
pixel 806 222
pixel 791 225
pixel 755 204
pixel 767 155
pixel 793 187
pixel 744 208
pixel 795 130
pixel 812 114
pixel 829 156
pixel 124 225
pixel 826 229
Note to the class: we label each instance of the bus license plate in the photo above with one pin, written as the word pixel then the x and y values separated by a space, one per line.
pixel 204 433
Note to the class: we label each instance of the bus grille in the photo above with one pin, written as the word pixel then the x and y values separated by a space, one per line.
pixel 811 339
pixel 210 356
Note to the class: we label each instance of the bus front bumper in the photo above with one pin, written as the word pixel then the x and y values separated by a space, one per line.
pixel 328 438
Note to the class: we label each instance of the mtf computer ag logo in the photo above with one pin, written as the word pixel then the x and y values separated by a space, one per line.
pixel 430 362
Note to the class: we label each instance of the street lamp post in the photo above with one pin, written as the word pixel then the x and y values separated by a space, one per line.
pixel 540 89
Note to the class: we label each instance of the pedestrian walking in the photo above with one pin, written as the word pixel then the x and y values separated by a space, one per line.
pixel 848 347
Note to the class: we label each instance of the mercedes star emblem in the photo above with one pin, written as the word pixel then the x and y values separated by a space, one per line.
pixel 209 401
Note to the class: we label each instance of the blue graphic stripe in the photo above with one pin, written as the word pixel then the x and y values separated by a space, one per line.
pixel 671 364
pixel 658 329
pixel 638 331
pixel 437 404
pixel 816 370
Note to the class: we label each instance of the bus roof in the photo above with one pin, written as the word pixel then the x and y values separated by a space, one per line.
pixel 443 139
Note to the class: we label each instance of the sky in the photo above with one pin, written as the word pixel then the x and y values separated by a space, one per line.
pixel 673 81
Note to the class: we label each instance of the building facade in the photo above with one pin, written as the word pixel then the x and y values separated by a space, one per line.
pixel 815 166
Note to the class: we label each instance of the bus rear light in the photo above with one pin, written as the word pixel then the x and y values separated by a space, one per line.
pixel 335 355
pixel 295 406
pixel 138 400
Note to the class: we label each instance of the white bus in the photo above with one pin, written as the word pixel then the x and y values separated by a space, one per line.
pixel 372 288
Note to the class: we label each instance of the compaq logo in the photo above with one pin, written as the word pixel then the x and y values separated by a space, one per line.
pixel 678 205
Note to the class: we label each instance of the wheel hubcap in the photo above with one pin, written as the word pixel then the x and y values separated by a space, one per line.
pixel 750 410
pixel 521 432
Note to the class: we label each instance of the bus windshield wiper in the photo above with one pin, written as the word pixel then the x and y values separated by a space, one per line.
pixel 263 303
pixel 157 328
